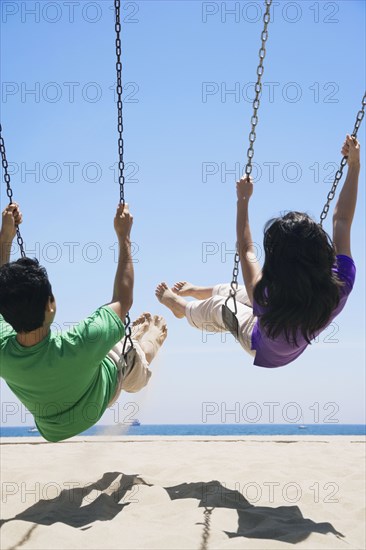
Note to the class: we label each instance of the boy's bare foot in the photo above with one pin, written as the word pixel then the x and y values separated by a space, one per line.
pixel 183 288
pixel 141 325
pixel 157 331
pixel 154 338
pixel 175 303
pixel 142 318
pixel 161 329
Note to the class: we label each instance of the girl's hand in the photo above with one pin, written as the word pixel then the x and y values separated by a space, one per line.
pixel 11 218
pixel 351 149
pixel 244 187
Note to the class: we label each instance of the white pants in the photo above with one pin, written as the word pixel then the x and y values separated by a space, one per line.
pixel 206 315
pixel 131 377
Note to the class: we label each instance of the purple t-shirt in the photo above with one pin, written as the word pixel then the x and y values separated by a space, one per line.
pixel 277 353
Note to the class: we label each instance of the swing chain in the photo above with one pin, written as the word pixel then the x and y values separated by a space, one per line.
pixel 9 190
pixel 252 136
pixel 119 90
pixel 121 164
pixel 258 88
pixel 339 172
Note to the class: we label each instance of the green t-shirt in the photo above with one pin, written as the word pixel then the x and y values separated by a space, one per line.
pixel 66 381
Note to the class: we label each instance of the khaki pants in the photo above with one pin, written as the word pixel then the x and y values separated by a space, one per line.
pixel 133 376
pixel 207 314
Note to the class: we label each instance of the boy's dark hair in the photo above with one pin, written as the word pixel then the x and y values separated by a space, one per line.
pixel 24 293
pixel 298 286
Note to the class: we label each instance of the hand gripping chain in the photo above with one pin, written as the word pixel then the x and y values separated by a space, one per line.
pixel 9 190
pixel 229 317
pixel 121 164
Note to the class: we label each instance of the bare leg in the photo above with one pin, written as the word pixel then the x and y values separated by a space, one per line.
pixel 183 288
pixel 175 303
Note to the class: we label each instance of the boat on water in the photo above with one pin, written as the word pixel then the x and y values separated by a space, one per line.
pixel 302 427
pixel 32 430
pixel 133 422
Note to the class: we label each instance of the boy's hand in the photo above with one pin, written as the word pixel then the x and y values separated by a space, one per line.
pixel 11 218
pixel 351 149
pixel 123 222
pixel 244 187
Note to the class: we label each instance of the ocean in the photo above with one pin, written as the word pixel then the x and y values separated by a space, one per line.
pixel 204 430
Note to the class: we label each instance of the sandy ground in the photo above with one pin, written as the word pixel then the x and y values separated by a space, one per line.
pixel 171 493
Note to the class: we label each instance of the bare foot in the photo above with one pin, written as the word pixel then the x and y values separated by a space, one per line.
pixel 141 325
pixel 154 338
pixel 176 304
pixel 157 331
pixel 142 318
pixel 183 288
pixel 161 329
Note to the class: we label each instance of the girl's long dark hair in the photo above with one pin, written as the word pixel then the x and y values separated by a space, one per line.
pixel 298 287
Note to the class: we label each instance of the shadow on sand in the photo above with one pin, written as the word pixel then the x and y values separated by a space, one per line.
pixel 285 523
pixel 72 507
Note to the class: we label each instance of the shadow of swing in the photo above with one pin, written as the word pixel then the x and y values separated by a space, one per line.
pixel 71 507
pixel 284 523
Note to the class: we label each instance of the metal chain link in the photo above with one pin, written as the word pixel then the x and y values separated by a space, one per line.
pixel 252 136
pixel 121 164
pixel 339 173
pixel 9 190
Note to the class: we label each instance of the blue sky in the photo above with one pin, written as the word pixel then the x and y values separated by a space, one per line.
pixel 188 69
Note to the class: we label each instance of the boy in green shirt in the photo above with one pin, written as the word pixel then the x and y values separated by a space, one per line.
pixel 68 380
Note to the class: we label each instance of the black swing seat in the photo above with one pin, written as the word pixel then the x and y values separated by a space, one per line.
pixel 230 321
pixel 128 360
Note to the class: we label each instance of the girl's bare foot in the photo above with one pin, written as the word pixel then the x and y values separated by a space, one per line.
pixel 176 304
pixel 183 288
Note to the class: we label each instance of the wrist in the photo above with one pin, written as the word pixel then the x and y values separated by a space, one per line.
pixel 243 201
pixel 124 240
pixel 354 165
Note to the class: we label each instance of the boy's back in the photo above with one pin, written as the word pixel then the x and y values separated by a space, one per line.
pixel 66 381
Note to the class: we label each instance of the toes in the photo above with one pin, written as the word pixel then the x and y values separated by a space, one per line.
pixel 142 322
pixel 178 286
pixel 161 289
pixel 138 321
pixel 164 333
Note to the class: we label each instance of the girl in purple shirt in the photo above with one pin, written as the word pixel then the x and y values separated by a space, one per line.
pixel 303 285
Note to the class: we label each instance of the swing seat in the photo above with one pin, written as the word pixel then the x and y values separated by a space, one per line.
pixel 128 360
pixel 230 321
